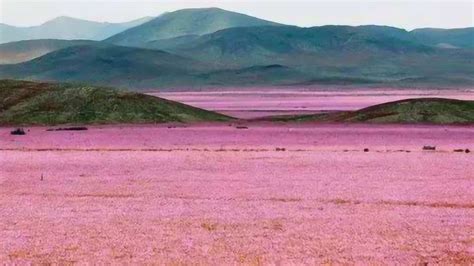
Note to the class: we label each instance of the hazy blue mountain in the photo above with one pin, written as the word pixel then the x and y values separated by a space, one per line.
pixel 183 22
pixel 22 51
pixel 138 68
pixel 107 64
pixel 261 45
pixel 447 38
pixel 66 28
pixel 260 55
pixel 373 53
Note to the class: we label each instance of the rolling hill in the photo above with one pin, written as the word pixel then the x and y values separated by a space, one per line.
pixel 184 22
pixel 66 28
pixel 29 103
pixel 22 51
pixel 412 111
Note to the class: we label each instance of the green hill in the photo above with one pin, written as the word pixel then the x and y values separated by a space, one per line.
pixel 22 51
pixel 195 21
pixel 410 111
pixel 30 103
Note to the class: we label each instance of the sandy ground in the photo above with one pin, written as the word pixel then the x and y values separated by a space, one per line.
pixel 215 194
pixel 259 102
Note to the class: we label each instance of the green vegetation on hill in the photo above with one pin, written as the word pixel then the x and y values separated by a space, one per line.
pixel 411 111
pixel 30 103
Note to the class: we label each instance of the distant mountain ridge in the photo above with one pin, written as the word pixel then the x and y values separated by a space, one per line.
pixel 453 38
pixel 330 53
pixel 22 51
pixel 66 28
pixel 104 64
pixel 196 21
pixel 176 50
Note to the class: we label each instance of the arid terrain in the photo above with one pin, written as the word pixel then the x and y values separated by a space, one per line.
pixel 215 193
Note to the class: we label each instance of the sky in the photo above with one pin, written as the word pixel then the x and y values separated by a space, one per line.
pixel 305 13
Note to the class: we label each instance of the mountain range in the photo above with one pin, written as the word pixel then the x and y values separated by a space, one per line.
pixel 66 28
pixel 22 51
pixel 214 47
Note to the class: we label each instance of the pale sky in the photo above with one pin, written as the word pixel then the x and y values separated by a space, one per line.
pixel 403 14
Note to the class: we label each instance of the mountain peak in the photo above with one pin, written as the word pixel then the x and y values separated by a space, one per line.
pixel 62 19
pixel 193 21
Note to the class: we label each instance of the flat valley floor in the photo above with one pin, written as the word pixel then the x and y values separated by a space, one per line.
pixel 257 102
pixel 222 194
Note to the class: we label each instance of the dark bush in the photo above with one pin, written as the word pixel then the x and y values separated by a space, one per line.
pixel 68 128
pixel 18 131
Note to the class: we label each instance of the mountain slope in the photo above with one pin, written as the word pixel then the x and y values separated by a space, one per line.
pixel 381 54
pixel 260 55
pixel 22 51
pixel 136 68
pixel 413 111
pixel 183 22
pixel 66 28
pixel 449 38
pixel 107 65
pixel 260 44
pixel 29 103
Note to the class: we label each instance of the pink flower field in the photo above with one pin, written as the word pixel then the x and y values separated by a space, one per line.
pixel 259 102
pixel 216 194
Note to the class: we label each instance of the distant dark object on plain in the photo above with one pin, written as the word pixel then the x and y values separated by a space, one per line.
pixel 458 150
pixel 467 151
pixel 429 148
pixel 18 131
pixel 241 127
pixel 68 128
pixel 280 149
pixel 366 150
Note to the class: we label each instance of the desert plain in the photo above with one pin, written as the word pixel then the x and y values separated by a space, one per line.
pixel 239 192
